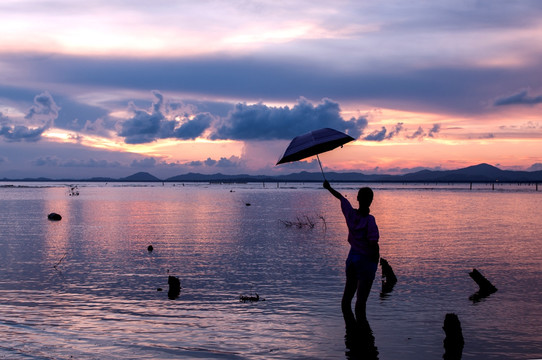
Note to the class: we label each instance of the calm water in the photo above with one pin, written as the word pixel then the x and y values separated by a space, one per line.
pixel 101 300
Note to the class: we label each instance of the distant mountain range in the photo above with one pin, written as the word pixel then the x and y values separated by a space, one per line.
pixel 476 173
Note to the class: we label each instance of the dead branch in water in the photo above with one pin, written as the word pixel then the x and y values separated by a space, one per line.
pixel 250 298
pixel 59 261
pixel 304 221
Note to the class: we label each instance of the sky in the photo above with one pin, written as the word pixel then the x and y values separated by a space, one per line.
pixel 111 88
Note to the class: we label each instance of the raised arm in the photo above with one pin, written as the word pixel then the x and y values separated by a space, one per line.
pixel 332 190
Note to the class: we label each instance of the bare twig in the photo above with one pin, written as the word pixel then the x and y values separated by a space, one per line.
pixel 59 261
pixel 324 221
pixel 303 221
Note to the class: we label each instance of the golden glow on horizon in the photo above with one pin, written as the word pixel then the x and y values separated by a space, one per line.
pixel 460 142
pixel 171 150
pixel 363 156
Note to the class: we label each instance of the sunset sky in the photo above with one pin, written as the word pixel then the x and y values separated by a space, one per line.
pixel 110 88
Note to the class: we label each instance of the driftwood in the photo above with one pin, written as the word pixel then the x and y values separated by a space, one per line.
pixel 59 261
pixel 486 288
pixel 250 298
pixel 453 342
pixel 388 277
pixel 174 287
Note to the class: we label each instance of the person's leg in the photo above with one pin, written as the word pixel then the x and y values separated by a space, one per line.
pixel 363 290
pixel 350 289
pixel 366 277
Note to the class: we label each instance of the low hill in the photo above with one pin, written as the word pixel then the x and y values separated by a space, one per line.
pixel 141 176
pixel 475 173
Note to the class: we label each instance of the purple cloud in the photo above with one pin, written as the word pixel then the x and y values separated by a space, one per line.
pixel 383 134
pixel 521 98
pixel 262 122
pixel 162 121
pixel 44 111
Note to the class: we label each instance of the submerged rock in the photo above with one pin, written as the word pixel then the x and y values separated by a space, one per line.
pixel 54 217
pixel 174 287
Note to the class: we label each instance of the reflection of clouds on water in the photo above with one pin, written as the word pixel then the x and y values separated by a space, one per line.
pixel 219 248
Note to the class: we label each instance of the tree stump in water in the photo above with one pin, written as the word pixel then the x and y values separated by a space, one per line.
pixel 388 275
pixel 486 287
pixel 174 287
pixel 453 342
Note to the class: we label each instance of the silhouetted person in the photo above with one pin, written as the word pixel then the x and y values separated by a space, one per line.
pixel 362 260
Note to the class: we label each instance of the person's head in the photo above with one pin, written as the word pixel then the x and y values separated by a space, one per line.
pixel 365 198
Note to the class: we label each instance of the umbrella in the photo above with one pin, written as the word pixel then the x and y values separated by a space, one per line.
pixel 314 143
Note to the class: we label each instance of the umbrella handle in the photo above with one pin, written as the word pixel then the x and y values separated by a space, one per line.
pixel 321 169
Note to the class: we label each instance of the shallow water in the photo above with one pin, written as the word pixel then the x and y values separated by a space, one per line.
pixel 86 287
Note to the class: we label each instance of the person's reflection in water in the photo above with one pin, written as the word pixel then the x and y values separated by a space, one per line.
pixel 360 343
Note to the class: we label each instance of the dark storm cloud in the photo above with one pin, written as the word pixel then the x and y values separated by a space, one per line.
pixel 53 161
pixel 44 108
pixel 262 122
pixel 195 163
pixel 521 98
pixel 198 163
pixel 420 133
pixel 144 163
pixel 144 126
pixel 383 134
pixel 46 161
pixel 71 114
pixel 377 135
pixel 210 162
pixel 193 128
pixel 232 161
pixel 21 133
pixel 434 130
pixel 44 111
pixel 223 162
pixel 161 122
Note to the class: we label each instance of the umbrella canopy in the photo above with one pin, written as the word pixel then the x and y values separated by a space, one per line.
pixel 314 143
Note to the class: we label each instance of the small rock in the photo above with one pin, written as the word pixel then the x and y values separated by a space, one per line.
pixel 150 248
pixel 54 217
